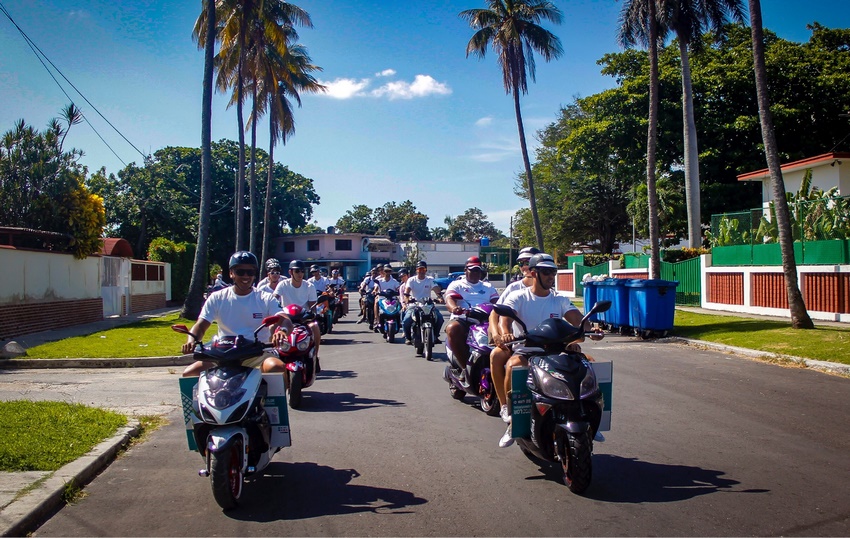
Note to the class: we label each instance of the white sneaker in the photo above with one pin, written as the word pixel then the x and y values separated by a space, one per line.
pixel 505 414
pixel 506 439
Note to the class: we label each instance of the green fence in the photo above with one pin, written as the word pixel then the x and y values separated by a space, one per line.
pixel 689 275
pixel 582 270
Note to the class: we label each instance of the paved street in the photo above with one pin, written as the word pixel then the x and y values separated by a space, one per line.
pixel 702 444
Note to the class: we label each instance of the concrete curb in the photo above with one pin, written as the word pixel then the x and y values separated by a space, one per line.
pixel 181 360
pixel 823 366
pixel 25 514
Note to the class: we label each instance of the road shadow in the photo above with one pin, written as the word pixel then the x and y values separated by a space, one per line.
pixel 337 374
pixel 339 402
pixel 618 479
pixel 303 490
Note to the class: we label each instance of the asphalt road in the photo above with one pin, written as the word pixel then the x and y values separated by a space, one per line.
pixel 702 444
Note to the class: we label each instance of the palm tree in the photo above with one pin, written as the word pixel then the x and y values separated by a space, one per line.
pixel 689 19
pixel 799 315
pixel 194 299
pixel 288 74
pixel 511 28
pixel 639 23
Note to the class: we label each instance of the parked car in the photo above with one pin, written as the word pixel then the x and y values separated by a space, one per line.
pixel 444 282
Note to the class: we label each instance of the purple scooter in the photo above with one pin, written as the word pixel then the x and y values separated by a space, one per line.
pixel 478 382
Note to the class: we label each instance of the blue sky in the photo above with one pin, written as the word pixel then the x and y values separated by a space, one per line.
pixel 408 116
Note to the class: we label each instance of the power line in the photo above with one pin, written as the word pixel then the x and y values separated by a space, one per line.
pixel 39 54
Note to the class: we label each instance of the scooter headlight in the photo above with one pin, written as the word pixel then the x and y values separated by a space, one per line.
pixel 303 344
pixel 551 386
pixel 285 346
pixel 222 399
pixel 589 385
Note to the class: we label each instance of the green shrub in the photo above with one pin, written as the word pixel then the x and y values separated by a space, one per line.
pixel 181 256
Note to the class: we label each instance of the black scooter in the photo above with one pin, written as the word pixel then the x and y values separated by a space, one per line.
pixel 566 406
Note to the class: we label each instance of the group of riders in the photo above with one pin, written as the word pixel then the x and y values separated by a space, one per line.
pixel 239 308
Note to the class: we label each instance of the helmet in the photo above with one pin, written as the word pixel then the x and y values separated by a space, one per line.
pixel 527 253
pixel 541 261
pixel 272 263
pixel 314 268
pixel 296 264
pixel 421 263
pixel 403 271
pixel 243 257
pixel 335 272
pixel 473 263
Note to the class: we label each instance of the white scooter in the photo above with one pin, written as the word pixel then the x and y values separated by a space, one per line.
pixel 235 416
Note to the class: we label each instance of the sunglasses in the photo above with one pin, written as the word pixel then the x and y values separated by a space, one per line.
pixel 245 272
pixel 274 272
pixel 297 270
pixel 523 263
pixel 547 271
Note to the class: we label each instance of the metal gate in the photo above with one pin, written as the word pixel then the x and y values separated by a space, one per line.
pixel 688 274
pixel 582 270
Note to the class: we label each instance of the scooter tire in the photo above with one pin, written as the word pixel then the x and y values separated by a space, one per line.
pixel 226 476
pixel 576 462
pixel 456 393
pixel 428 344
pixel 295 386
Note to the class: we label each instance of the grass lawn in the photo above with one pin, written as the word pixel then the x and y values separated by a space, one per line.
pixel 825 343
pixel 147 338
pixel 44 436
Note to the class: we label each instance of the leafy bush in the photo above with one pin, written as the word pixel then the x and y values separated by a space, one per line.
pixel 679 255
pixel 181 256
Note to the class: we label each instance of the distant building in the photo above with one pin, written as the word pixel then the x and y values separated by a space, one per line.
pixel 443 257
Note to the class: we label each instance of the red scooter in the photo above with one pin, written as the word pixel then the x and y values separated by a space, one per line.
pixel 299 352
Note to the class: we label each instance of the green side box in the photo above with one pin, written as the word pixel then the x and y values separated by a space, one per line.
pixel 520 403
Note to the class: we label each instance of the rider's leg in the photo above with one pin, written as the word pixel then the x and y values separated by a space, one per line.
pixel 407 323
pixel 498 359
pixel 456 333
pixel 317 338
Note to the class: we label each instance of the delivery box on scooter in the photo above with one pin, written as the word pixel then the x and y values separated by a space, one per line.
pixel 275 406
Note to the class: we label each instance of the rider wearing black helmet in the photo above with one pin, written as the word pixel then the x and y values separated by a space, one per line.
pixel 237 310
pixel 419 287
pixel 298 290
pixel 534 304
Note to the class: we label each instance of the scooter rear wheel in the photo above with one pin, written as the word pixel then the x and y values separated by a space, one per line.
pixel 226 475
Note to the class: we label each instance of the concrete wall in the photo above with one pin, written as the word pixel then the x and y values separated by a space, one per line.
pixel 35 276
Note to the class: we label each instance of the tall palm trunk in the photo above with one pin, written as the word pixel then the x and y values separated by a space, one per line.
pixel 799 315
pixel 194 299
pixel 267 207
pixel 651 145
pixel 239 201
pixel 253 181
pixel 528 177
pixel 692 194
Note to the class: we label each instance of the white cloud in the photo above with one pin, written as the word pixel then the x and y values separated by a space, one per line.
pixel 345 88
pixel 484 122
pixel 422 86
pixel 492 151
pixel 386 73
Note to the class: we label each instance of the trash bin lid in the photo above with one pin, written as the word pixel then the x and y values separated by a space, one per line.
pixel 653 283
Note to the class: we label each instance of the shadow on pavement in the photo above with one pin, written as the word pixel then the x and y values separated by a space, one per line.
pixel 338 402
pixel 303 490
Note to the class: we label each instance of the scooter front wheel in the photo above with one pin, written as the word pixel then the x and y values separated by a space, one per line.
pixel 427 343
pixel 226 475
pixel 295 386
pixel 575 456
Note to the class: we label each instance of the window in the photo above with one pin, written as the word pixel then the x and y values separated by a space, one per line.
pixel 312 245
pixel 289 246
pixel 343 244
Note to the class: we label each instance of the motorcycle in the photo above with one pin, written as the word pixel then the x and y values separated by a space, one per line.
pixel 389 315
pixel 230 425
pixel 367 303
pixel 566 401
pixel 299 352
pixel 422 329
pixel 478 381
pixel 325 317
pixel 336 307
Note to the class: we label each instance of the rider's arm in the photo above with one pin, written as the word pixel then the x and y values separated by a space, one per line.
pixel 198 329
pixel 451 305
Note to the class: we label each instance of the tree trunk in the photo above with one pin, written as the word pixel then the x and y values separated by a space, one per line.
pixel 240 181
pixel 799 315
pixel 195 297
pixel 253 180
pixel 532 199
pixel 267 209
pixel 692 194
pixel 651 143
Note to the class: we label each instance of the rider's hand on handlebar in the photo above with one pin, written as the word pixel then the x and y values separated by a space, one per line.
pixel 502 338
pixel 188 347
pixel 279 336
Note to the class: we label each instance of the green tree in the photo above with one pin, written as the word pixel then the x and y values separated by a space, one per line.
pixel 799 315
pixel 472 225
pixel 42 186
pixel 359 219
pixel 404 219
pixel 511 28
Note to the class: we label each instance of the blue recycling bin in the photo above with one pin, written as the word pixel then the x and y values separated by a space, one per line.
pixel 590 298
pixel 614 290
pixel 652 305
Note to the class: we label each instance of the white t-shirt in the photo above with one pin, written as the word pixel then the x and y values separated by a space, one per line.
pixel 391 284
pixel 239 314
pixel 513 286
pixel 339 282
pixel 265 285
pixel 532 309
pixel 472 294
pixel 301 296
pixel 321 283
pixel 368 283
pixel 420 289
